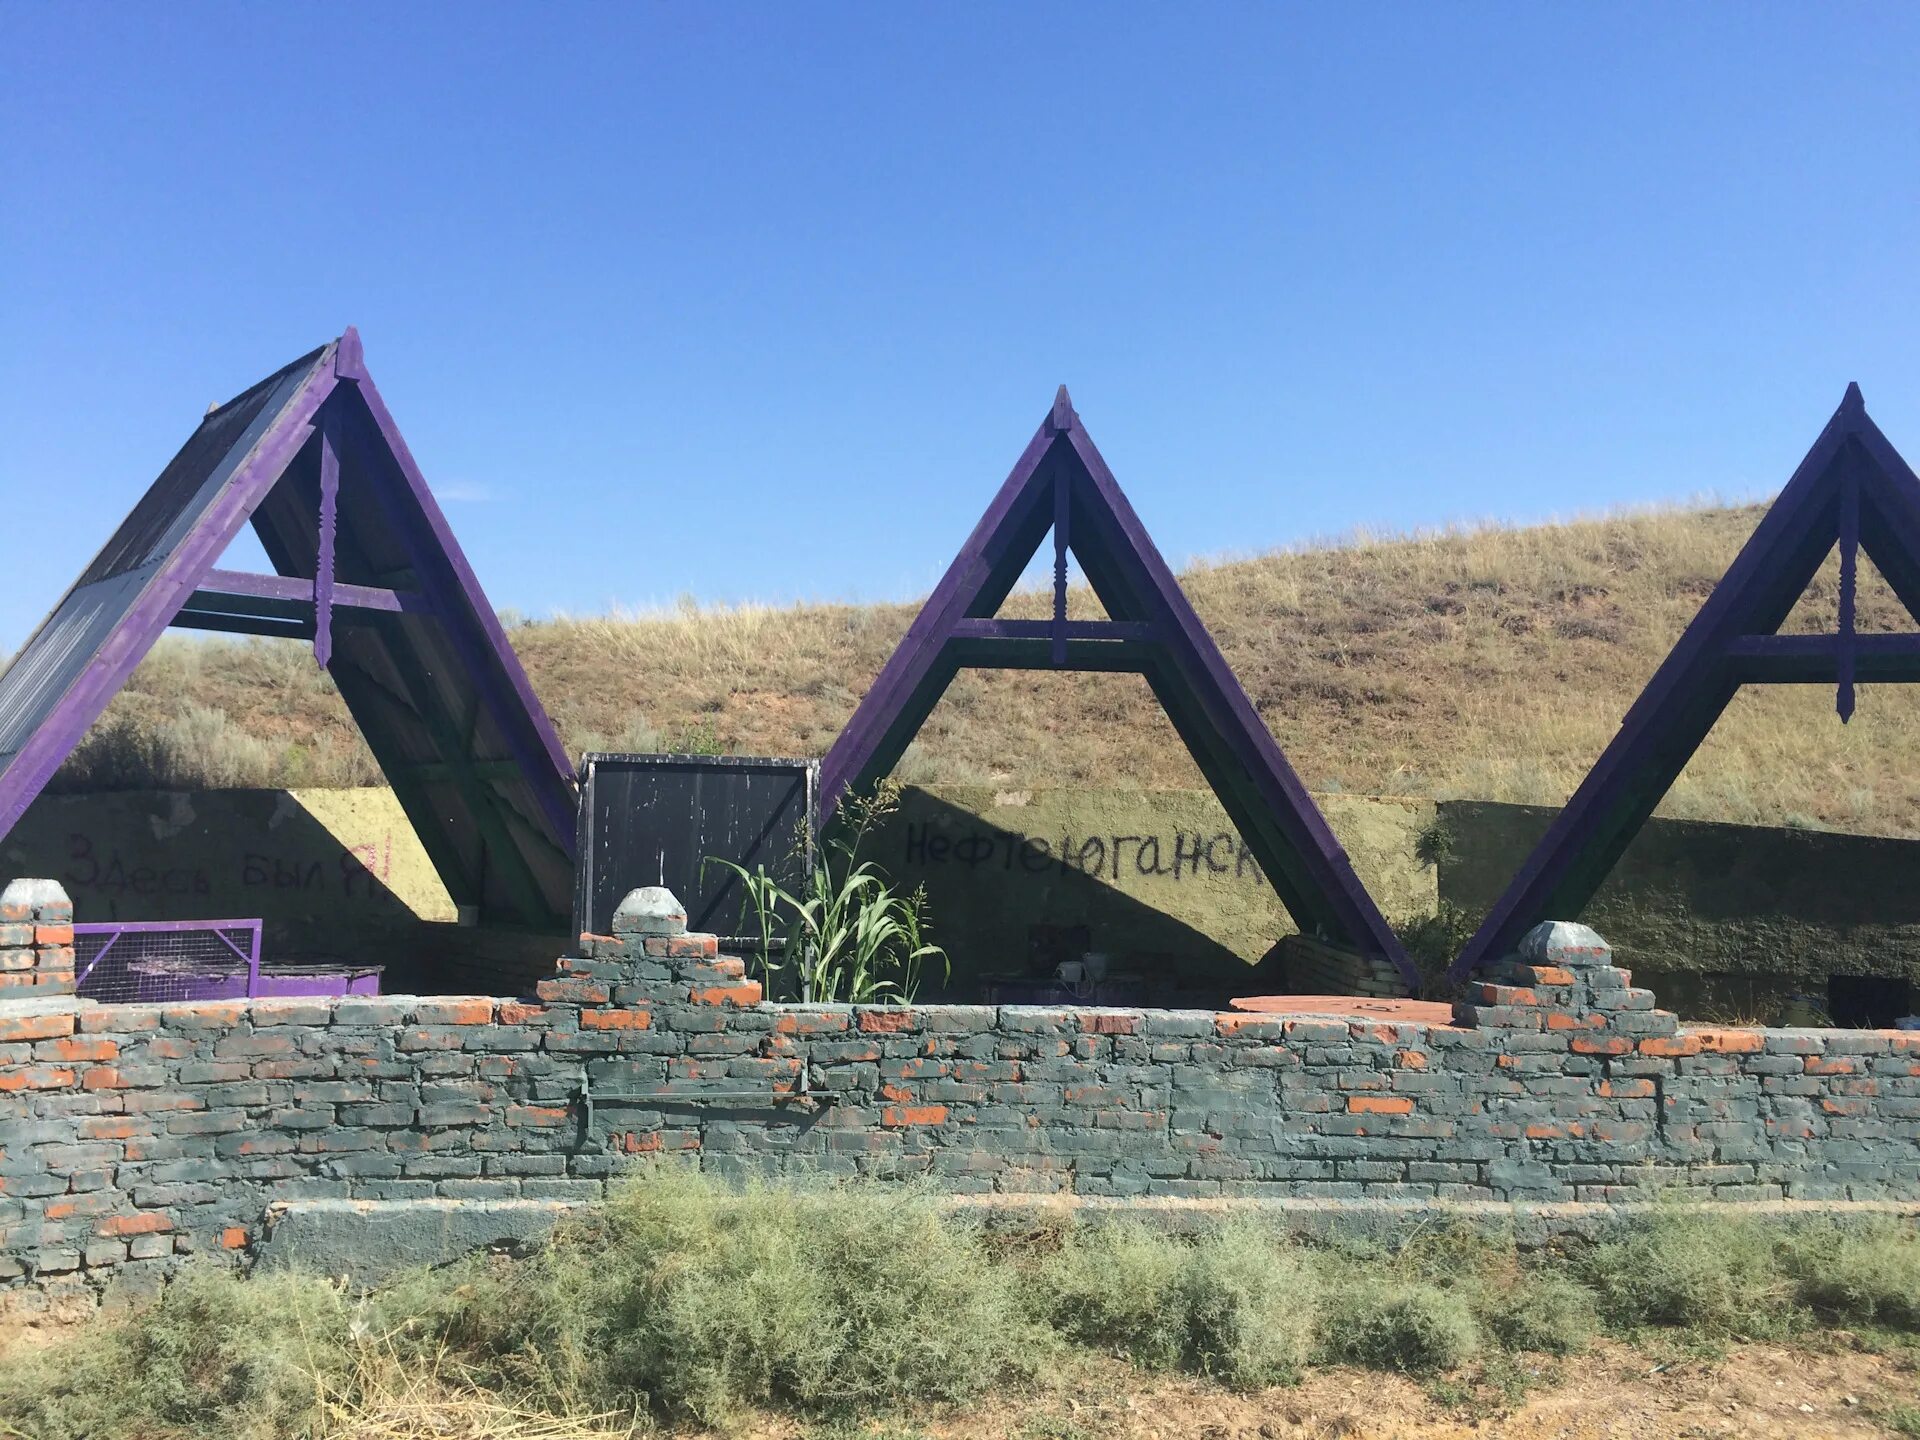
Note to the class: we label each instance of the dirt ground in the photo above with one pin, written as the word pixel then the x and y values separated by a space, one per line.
pixel 1611 1393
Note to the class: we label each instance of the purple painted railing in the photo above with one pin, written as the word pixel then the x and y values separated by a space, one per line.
pixel 165 960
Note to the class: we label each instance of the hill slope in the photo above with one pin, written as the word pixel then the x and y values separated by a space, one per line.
pixel 1494 663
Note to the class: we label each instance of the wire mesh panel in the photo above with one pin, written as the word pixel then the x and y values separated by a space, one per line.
pixel 167 960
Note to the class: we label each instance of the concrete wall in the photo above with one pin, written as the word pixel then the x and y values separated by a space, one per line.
pixel 1159 880
pixel 1752 912
pixel 321 866
pixel 131 1136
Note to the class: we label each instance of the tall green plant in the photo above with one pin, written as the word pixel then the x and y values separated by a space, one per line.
pixel 848 936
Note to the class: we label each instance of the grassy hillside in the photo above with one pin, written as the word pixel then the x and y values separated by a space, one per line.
pixel 1493 663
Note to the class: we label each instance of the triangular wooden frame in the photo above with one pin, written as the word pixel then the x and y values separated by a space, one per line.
pixel 368 572
pixel 1852 490
pixel 1062 484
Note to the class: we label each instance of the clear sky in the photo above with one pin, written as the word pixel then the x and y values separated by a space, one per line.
pixel 761 301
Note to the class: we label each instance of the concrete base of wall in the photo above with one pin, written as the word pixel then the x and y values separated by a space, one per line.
pixel 373 1240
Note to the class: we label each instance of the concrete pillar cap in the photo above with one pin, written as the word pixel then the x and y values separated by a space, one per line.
pixel 1565 943
pixel 28 899
pixel 650 910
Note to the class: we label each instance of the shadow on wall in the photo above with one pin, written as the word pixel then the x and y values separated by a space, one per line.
pixel 337 875
pixel 1728 921
pixel 1012 905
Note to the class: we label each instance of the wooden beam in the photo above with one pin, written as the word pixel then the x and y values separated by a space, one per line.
pixel 1818 659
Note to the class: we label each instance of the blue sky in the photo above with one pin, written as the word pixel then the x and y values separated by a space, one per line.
pixel 761 301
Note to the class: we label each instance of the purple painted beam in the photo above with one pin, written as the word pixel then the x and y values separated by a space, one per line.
pixel 1116 631
pixel 245 584
pixel 323 565
pixel 1731 641
pixel 160 567
pixel 1061 483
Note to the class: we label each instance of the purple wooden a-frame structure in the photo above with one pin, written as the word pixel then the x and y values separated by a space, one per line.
pixel 1061 483
pixel 1853 490
pixel 371 575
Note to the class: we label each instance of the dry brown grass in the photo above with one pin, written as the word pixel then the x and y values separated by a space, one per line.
pixel 1491 663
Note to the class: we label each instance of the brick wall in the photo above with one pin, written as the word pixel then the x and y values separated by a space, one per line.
pixel 131 1135
pixel 36 941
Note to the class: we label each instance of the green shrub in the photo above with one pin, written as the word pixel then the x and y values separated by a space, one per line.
pixel 1236 1302
pixel 1546 1310
pixel 216 1356
pixel 1859 1274
pixel 1251 1305
pixel 1716 1274
pixel 687 1296
pixel 1117 1287
pixel 1393 1322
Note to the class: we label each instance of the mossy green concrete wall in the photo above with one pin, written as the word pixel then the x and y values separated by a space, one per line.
pixel 1693 897
pixel 1160 879
pixel 329 870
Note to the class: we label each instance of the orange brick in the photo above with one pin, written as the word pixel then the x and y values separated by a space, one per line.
pixel 103 1077
pixel 1626 1089
pixel 107 1127
pixel 1567 1020
pixel 53 935
pixel 72 1049
pixel 233 1238
pixel 895 1116
pixel 455 1012
pixel 885 1022
pixel 575 992
pixel 1670 1046
pixel 1550 975
pixel 1409 1060
pixel 637 1144
pixel 744 996
pixel 1723 1041
pixel 516 1012
pixel 1569 1131
pixel 36 1077
pixel 1822 1065
pixel 1602 1045
pixel 36 1027
pixel 891 1091
pixel 1109 1024
pixel 813 1022
pixel 116 1019
pixel 149 1222
pixel 1379 1104
pixel 615 1019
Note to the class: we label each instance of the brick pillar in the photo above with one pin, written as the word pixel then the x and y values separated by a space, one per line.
pixel 1564 979
pixel 651 960
pixel 36 940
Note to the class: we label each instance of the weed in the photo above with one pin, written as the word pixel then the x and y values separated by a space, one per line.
pixel 1115 1287
pixel 848 935
pixel 1718 1276
pixel 683 1295
pixel 1251 1307
pixel 1903 1419
pixel 215 1357
pixel 1391 1323
pixel 1859 1274
pixel 1234 1303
